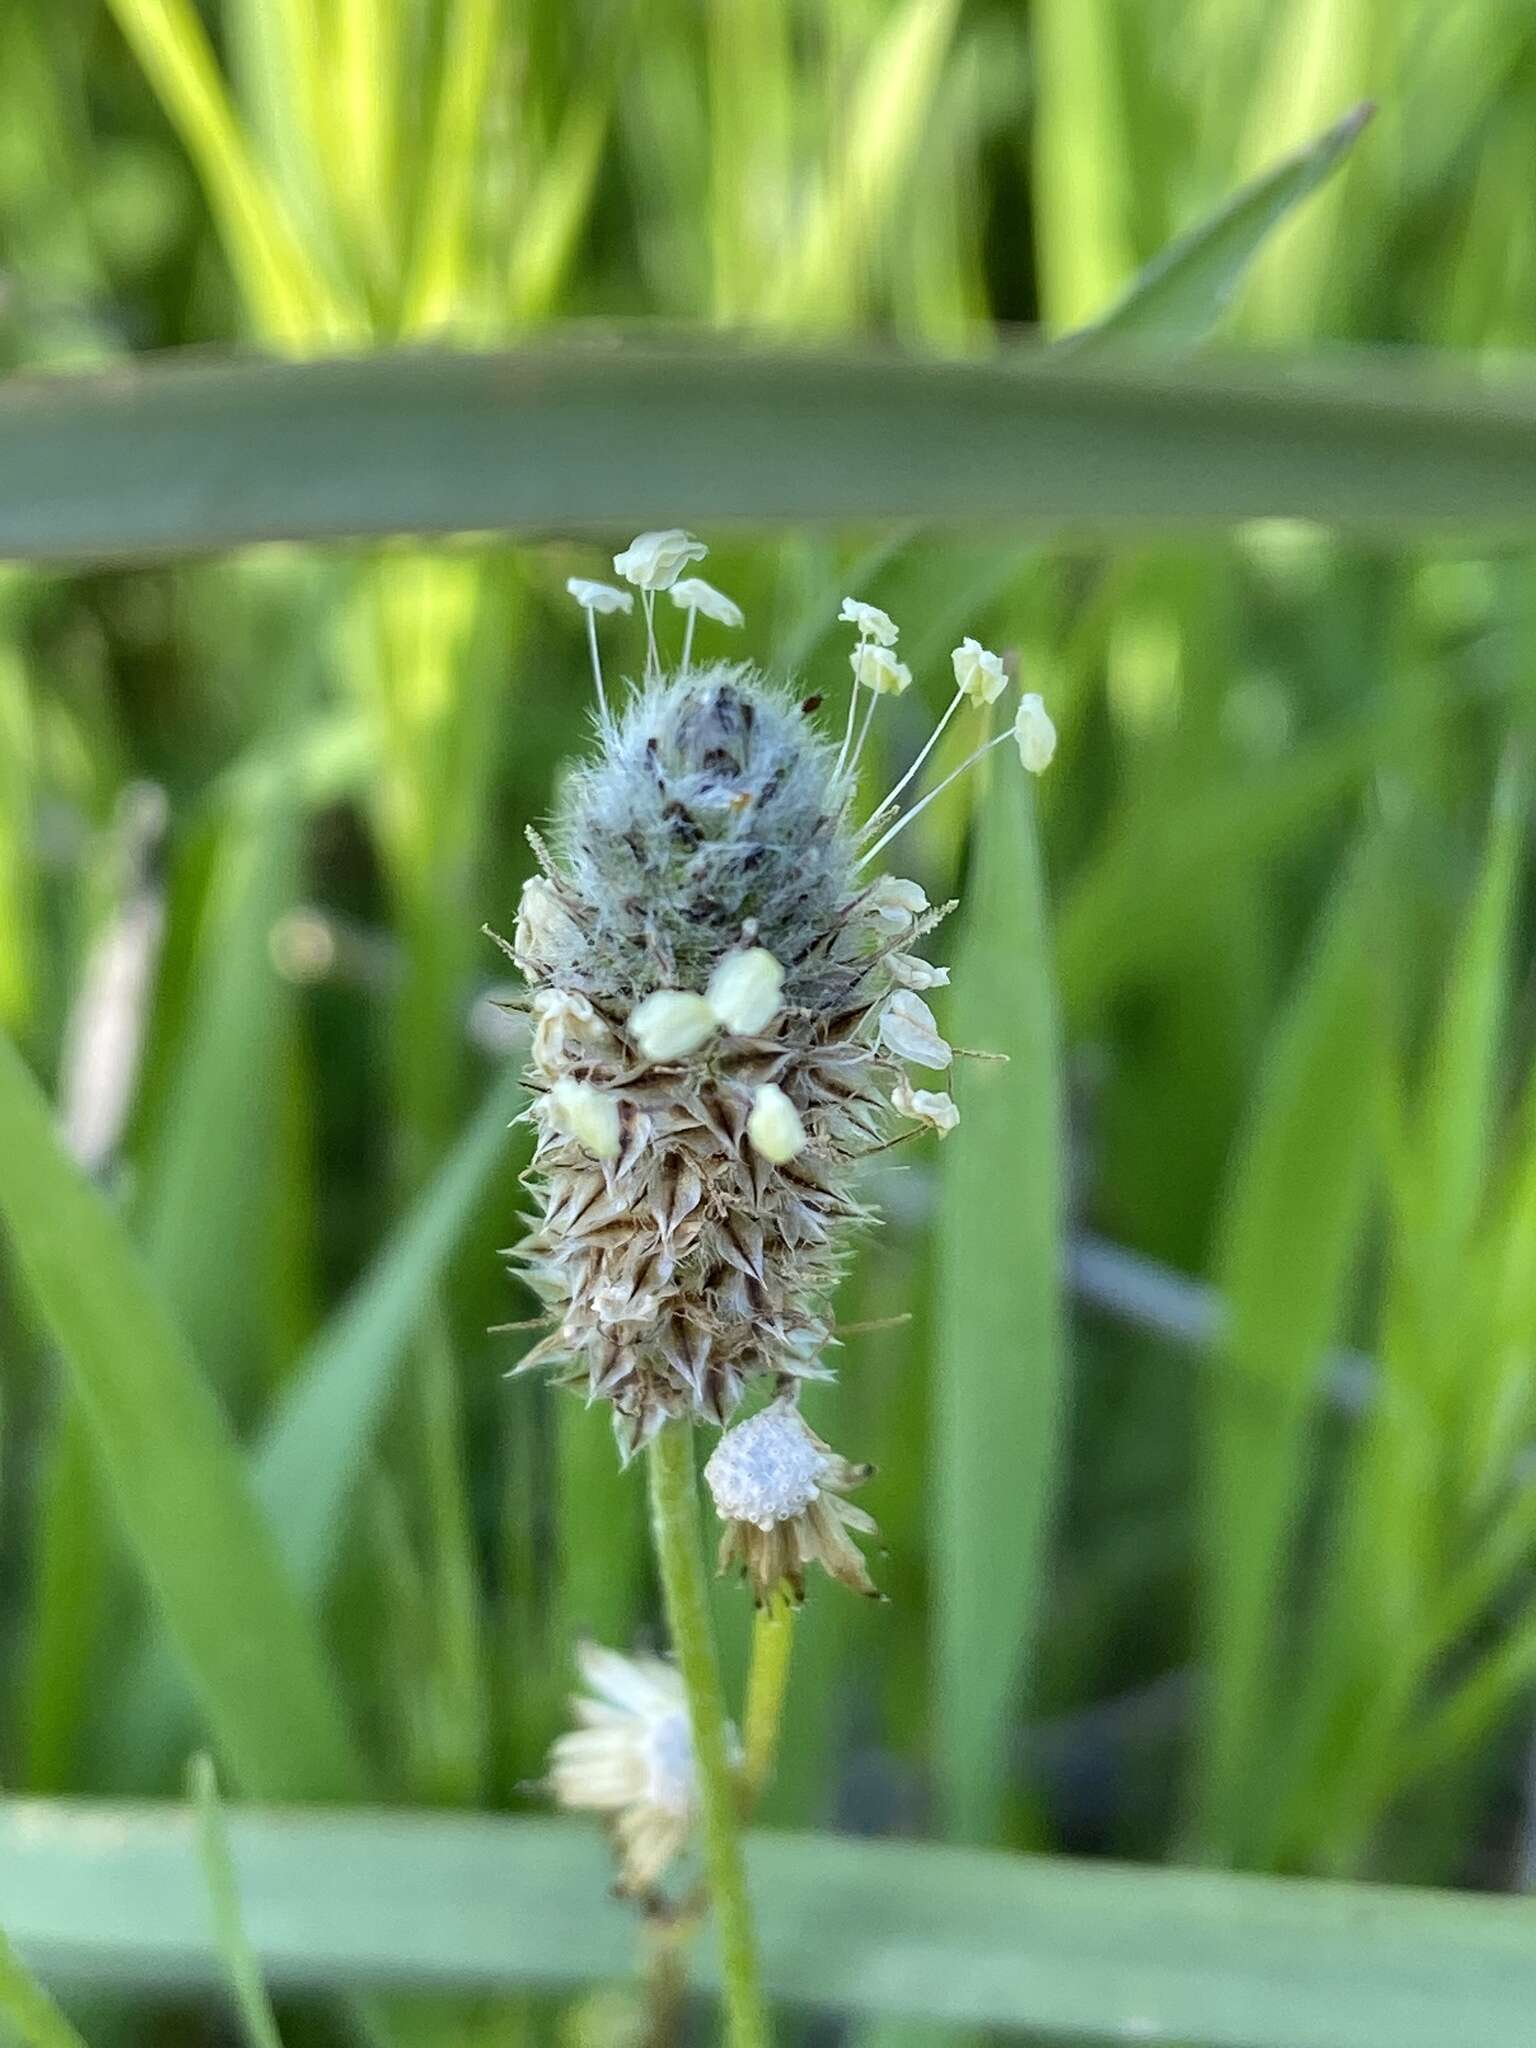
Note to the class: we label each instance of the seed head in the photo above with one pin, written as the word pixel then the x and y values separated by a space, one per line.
pixel 723 1008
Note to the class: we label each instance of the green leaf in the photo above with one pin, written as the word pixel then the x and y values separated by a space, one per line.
pixel 113 1895
pixel 257 2019
pixel 1290 1236
pixel 314 1445
pixel 27 2012
pixel 200 456
pixel 998 1319
pixel 1185 290
pixel 176 1474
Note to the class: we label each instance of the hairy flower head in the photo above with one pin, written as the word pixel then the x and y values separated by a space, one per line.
pixel 779 1489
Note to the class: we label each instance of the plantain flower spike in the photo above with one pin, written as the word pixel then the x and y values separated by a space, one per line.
pixel 725 1010
pixel 779 1490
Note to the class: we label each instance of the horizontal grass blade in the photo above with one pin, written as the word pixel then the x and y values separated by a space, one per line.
pixel 1187 288
pixel 113 1895
pixel 193 456
pixel 176 1474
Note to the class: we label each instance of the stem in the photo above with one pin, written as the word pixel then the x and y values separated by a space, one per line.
pixel 773 1637
pixel 652 658
pixel 675 1525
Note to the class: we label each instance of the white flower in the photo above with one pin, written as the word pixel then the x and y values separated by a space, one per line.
pixel 670 1024
pixel 654 561
pixel 911 1031
pixel 544 926
pixel 774 1125
pixel 1035 734
pixel 979 674
pixel 896 903
pixel 561 1014
pixel 584 1113
pixel 631 1759
pixel 925 1107
pixel 910 972
pixel 598 597
pixel 693 594
pixel 878 669
pixel 744 991
pixel 778 1488
pixel 873 624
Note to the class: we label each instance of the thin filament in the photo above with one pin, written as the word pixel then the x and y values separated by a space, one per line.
pixel 597 666
pixel 933 741
pixel 853 699
pixel 652 658
pixel 688 635
pixel 869 719
pixel 917 810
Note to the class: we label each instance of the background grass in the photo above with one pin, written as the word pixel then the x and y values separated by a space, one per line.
pixel 1263 1600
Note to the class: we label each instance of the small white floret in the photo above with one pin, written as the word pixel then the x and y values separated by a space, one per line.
pixel 878 669
pixel 671 1024
pixel 907 971
pixel 872 623
pixel 908 1027
pixel 693 594
pixel 585 1113
pixel 774 1125
pixel 745 989
pixel 925 1106
pixel 599 597
pixel 896 903
pixel 979 674
pixel 654 561
pixel 1036 735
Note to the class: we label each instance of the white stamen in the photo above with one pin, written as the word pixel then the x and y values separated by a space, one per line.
pixel 774 1125
pixel 911 1031
pixel 744 991
pixel 918 809
pixel 671 1023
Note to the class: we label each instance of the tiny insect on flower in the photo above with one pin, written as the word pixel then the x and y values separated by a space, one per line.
pixel 671 1024
pixel 599 597
pixel 578 1110
pixel 1035 733
pixel 979 674
pixel 745 991
pixel 693 594
pixel 872 623
pixel 654 561
pixel 778 1488
pixel 925 1106
pixel 775 1127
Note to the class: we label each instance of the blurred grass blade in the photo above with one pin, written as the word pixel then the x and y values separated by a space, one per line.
pixel 257 2019
pixel 28 2014
pixel 312 1449
pixel 176 1474
pixel 1181 295
pixel 207 1168
pixel 171 43
pixel 113 1895
pixel 997 1319
pixel 203 456
pixel 314 1446
pixel 1291 1229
